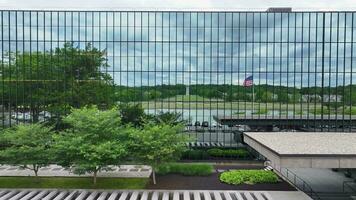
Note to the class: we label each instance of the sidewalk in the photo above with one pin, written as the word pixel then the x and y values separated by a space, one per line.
pixel 322 180
pixel 128 171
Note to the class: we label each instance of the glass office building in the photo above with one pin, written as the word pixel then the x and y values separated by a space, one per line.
pixel 199 64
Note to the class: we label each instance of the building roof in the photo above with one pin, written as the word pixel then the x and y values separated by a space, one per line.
pixel 307 143
pixel 305 149
pixel 285 119
pixel 167 9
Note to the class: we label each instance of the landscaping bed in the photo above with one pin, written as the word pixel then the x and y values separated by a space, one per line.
pixel 251 176
pixel 212 182
pixel 217 154
pixel 186 169
pixel 171 176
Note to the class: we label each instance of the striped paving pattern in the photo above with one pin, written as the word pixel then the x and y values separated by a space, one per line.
pixel 132 195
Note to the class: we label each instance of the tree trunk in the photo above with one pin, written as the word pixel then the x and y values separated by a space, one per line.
pixel 35 169
pixel 35 115
pixel 154 176
pixel 94 177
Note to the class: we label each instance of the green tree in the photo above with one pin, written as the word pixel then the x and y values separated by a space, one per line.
pixel 295 97
pixel 172 118
pixel 95 140
pixel 349 97
pixel 132 114
pixel 57 80
pixel 27 145
pixel 126 94
pixel 283 97
pixel 157 144
pixel 264 96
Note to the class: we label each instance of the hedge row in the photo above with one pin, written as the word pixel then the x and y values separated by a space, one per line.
pixel 236 153
pixel 196 154
pixel 185 169
pixel 236 177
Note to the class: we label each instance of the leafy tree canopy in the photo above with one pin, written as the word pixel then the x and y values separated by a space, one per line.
pixel 170 118
pixel 132 114
pixel 95 140
pixel 57 80
pixel 27 145
pixel 157 144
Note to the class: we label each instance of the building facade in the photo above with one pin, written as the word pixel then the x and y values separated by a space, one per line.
pixel 193 63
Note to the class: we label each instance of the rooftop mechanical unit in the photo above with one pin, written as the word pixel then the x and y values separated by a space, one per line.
pixel 279 9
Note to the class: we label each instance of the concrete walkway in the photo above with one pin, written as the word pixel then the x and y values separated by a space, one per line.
pixel 129 171
pixel 132 171
pixel 322 180
pixel 149 195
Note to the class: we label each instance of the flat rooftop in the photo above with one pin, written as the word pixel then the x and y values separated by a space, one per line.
pixel 295 120
pixel 305 149
pixel 307 143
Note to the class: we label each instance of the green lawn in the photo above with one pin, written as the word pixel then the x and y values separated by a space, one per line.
pixel 187 98
pixel 73 183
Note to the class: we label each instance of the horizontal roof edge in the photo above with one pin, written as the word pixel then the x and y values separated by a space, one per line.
pixel 113 9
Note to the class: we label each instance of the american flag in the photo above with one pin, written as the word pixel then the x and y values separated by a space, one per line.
pixel 248 81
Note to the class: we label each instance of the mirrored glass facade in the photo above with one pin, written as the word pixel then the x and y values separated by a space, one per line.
pixel 195 63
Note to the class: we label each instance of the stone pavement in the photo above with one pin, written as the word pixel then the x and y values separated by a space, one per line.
pixel 133 171
pixel 149 195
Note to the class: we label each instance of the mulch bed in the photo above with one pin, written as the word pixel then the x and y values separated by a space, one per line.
pixel 212 182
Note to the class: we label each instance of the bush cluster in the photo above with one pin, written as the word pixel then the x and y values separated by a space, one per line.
pixel 236 177
pixel 235 153
pixel 349 110
pixel 200 154
pixel 195 154
pixel 185 169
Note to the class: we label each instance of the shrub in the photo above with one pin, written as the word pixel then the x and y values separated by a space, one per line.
pixel 215 152
pixel 241 153
pixel 320 111
pixel 185 169
pixel 236 177
pixel 195 154
pixel 349 110
pixel 261 111
pixel 236 153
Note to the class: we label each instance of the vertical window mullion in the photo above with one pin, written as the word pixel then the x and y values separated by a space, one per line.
pixel 344 73
pixel 2 67
pixel 10 81
pixel 351 70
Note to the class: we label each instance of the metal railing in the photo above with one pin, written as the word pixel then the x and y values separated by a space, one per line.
pixel 299 183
